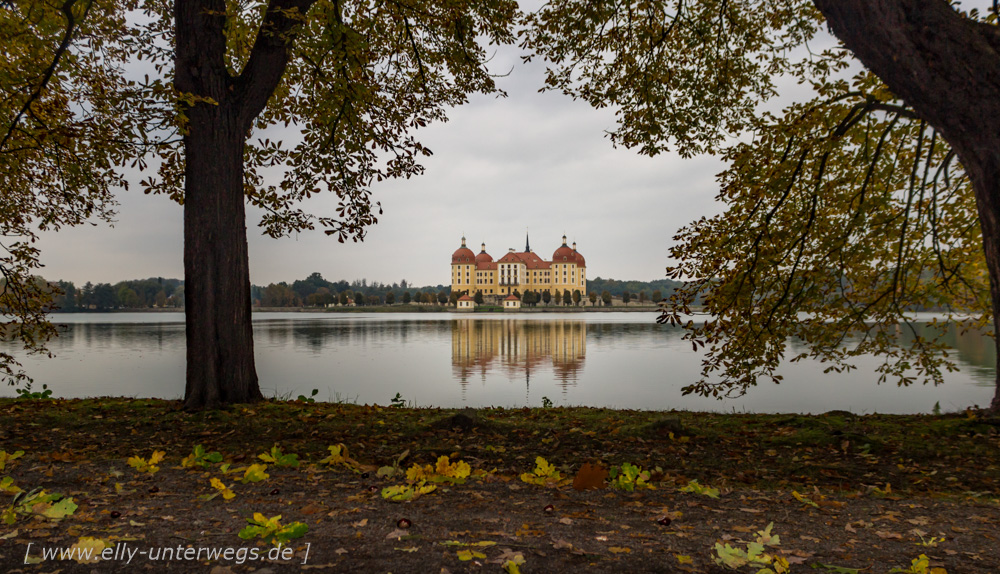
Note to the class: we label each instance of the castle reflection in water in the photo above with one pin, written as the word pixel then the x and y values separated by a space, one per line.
pixel 518 348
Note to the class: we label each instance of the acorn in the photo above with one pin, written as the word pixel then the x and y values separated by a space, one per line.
pixel 663 521
pixel 373 488
pixel 154 489
pixel 275 492
pixel 116 514
pixel 550 508
pixel 403 523
pixel 364 475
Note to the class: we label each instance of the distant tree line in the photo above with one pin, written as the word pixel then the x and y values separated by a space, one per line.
pixel 315 291
pixel 133 294
pixel 637 290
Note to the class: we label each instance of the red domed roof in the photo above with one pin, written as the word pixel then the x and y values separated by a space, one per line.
pixel 562 254
pixel 567 254
pixel 484 257
pixel 463 254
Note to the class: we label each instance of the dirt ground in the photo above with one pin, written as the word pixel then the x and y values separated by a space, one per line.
pixel 834 508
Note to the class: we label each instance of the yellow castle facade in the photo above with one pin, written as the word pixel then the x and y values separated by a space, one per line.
pixel 518 272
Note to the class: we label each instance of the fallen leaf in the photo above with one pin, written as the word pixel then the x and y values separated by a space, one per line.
pixel 89 547
pixel 590 477
pixel 466 555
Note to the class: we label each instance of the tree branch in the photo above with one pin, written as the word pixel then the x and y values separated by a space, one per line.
pixel 71 26
pixel 268 57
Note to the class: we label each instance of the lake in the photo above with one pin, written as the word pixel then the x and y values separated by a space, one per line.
pixel 622 360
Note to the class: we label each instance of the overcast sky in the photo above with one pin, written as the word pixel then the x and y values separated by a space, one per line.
pixel 500 166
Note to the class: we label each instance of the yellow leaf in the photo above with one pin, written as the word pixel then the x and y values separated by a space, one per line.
pixel 88 550
pixel 511 567
pixel 227 493
pixel 804 500
pixel 417 473
pixel 619 550
pixel 458 469
pixel 683 559
pixel 466 555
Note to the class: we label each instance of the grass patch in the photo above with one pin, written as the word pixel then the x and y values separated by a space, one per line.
pixel 919 452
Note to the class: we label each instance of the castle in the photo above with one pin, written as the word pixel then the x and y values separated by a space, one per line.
pixel 518 272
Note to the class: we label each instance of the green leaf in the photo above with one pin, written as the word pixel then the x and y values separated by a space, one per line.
pixel 271 530
pixel 278 458
pixel 292 531
pixel 60 510
pixel 766 538
pixel 697 488
pixel 7 485
pixel 404 492
pixel 730 557
pixel 255 473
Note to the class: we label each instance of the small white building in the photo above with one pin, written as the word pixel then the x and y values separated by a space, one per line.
pixel 512 303
pixel 466 303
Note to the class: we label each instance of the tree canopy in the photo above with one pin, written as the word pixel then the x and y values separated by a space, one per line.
pixel 844 213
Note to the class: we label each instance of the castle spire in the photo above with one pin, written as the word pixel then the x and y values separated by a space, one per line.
pixel 527 244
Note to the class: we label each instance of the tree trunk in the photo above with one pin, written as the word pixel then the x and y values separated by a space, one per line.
pixel 220 110
pixel 947 68
pixel 220 362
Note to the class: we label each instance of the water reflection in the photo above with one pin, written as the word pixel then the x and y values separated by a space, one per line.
pixel 976 352
pixel 974 348
pixel 518 348
pixel 597 359
pixel 104 335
